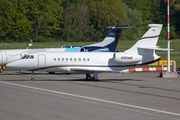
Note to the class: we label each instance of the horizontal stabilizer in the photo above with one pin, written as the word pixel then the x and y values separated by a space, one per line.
pixel 154 48
pixel 121 27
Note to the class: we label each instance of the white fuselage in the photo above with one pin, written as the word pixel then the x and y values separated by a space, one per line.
pixel 78 61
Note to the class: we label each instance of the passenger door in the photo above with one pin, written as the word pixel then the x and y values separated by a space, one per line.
pixel 41 61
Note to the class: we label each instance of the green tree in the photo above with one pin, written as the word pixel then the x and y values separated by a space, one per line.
pixel 159 10
pixel 13 20
pixel 144 6
pixel 174 18
pixel 135 19
pixel 46 16
pixel 106 13
pixel 76 23
pixel 67 3
pixel 22 19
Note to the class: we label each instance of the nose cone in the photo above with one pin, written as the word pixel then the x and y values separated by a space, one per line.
pixel 15 65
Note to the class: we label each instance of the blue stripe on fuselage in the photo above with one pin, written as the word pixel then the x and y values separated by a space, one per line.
pixel 76 49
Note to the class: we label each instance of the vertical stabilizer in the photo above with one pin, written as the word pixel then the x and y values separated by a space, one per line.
pixel 146 46
pixel 111 40
pixel 148 40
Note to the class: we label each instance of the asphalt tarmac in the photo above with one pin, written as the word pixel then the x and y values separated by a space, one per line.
pixel 127 96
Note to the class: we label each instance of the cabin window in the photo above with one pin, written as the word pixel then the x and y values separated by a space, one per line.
pixel 62 59
pixel 84 59
pixel 66 59
pixel 79 59
pixel 70 59
pixel 58 59
pixel 88 59
pixel 74 59
pixel 54 59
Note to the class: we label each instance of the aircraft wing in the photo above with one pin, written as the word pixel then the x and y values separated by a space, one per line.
pixel 93 70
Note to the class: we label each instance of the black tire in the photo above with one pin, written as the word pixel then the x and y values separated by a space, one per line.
pixel 51 72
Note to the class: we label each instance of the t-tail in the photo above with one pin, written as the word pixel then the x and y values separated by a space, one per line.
pixel 146 46
pixel 110 42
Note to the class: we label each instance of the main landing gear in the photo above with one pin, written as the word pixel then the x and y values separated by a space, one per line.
pixel 94 78
pixel 32 76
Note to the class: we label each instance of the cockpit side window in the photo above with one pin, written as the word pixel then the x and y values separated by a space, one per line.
pixel 23 56
pixel 31 57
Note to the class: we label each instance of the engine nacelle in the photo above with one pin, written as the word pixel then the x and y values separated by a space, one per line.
pixel 126 58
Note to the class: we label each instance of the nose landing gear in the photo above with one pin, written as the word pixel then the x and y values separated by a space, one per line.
pixel 32 76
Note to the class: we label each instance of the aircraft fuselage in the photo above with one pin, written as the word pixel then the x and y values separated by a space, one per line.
pixel 76 61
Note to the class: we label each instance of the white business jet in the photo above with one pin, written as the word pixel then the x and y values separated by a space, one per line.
pixel 143 52
pixel 109 44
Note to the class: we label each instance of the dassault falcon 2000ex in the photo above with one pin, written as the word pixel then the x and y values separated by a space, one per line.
pixel 141 53
pixel 109 44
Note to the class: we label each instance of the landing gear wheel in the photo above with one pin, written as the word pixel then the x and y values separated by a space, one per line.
pixel 51 72
pixel 32 76
pixel 1 70
pixel 32 79
pixel 94 79
pixel 88 76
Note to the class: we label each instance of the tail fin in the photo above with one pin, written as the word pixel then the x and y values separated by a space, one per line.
pixel 146 46
pixel 148 40
pixel 111 39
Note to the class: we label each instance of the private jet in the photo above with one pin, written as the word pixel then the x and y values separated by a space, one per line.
pixel 141 53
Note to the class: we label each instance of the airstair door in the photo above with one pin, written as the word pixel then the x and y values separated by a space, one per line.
pixel 41 61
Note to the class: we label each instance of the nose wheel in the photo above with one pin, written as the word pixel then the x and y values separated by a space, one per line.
pixel 32 76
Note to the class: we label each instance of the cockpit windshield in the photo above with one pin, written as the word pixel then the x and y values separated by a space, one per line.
pixel 31 57
pixel 28 57
pixel 23 56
